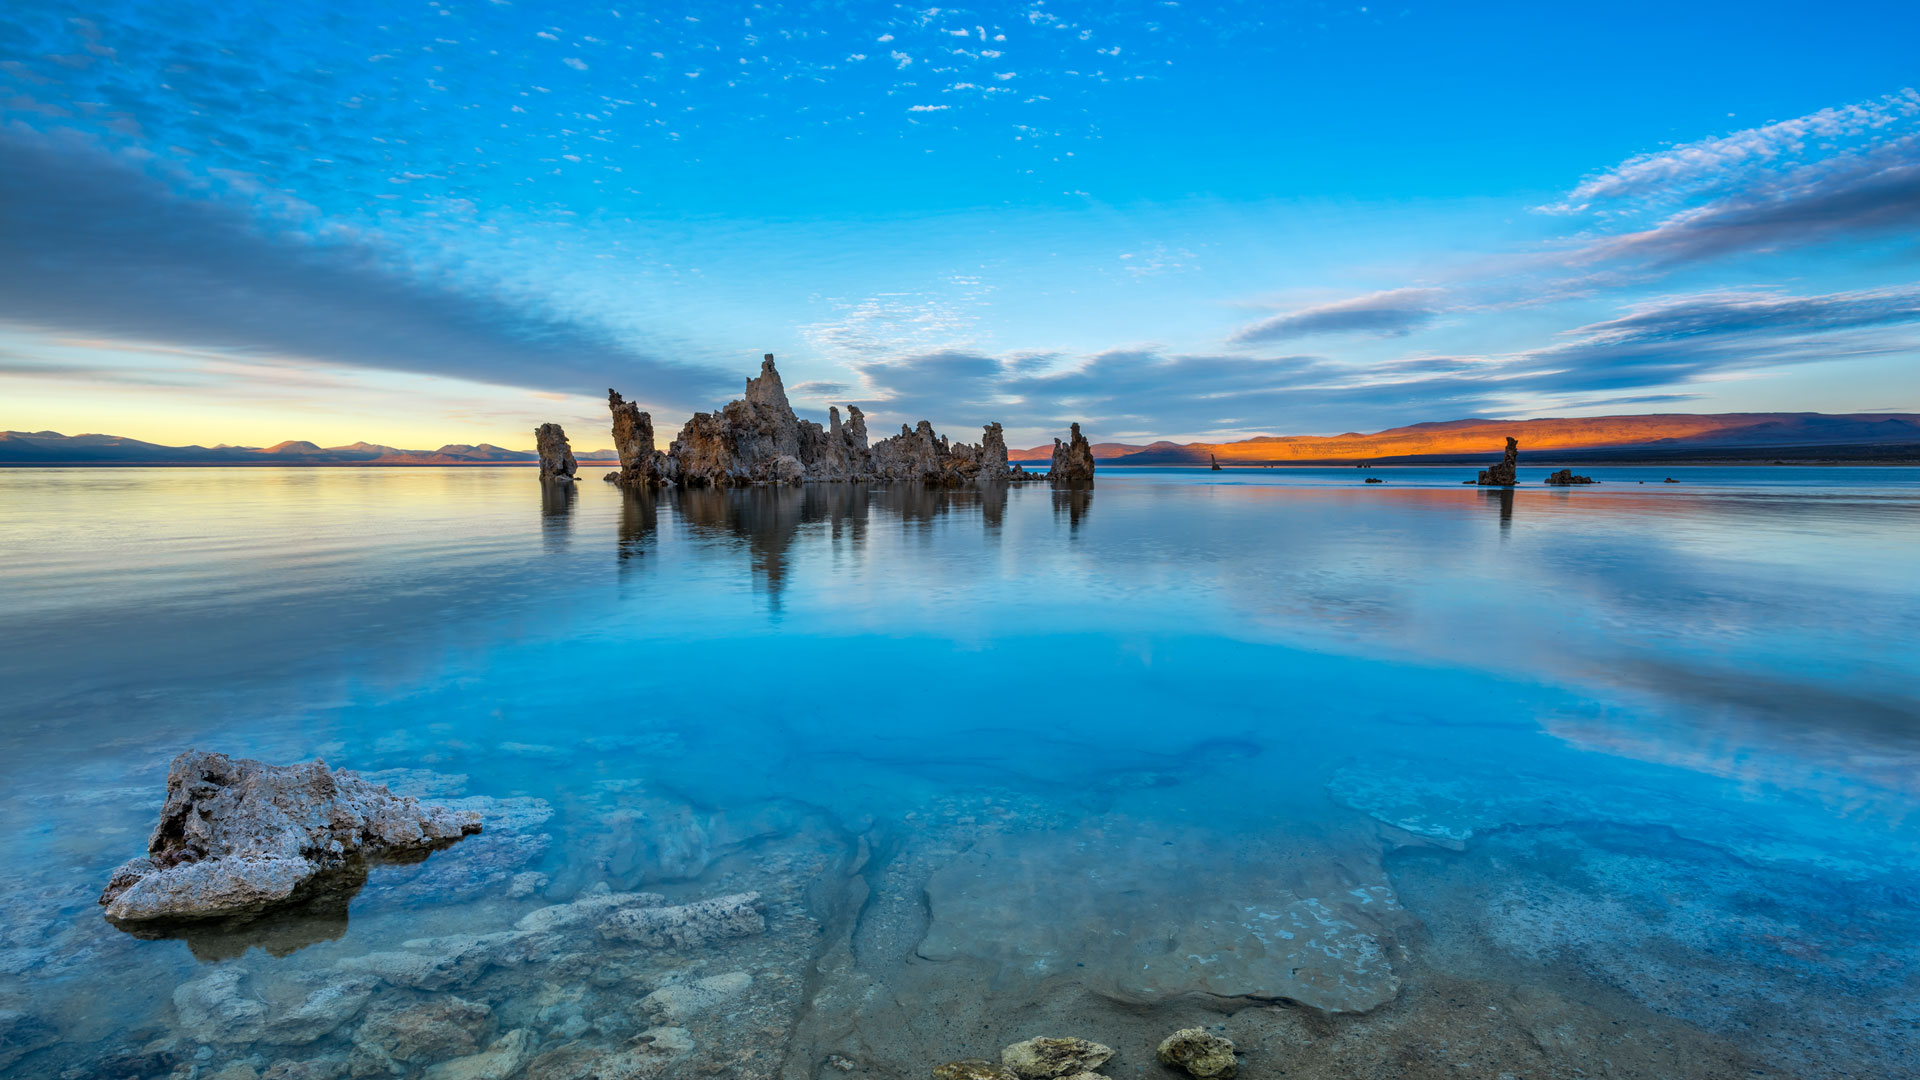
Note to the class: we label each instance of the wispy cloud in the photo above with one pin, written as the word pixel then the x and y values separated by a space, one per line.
pixel 1650 354
pixel 1717 162
pixel 1393 313
pixel 1857 195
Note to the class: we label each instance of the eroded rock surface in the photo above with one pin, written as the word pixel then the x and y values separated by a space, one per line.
pixel 1050 1058
pixel 1200 1052
pixel 1566 478
pixel 640 464
pixel 1502 475
pixel 1072 461
pixel 556 455
pixel 240 836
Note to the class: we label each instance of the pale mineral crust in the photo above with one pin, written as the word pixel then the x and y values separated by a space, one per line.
pixel 238 836
pixel 1502 475
pixel 556 455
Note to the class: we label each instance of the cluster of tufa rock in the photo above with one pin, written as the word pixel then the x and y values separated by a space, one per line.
pixel 556 456
pixel 238 836
pixel 1201 1053
pixel 1566 478
pixel 758 439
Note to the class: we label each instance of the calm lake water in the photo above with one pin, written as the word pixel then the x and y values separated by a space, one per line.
pixel 1404 779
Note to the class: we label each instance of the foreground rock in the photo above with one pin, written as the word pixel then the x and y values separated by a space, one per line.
pixel 758 439
pixel 239 836
pixel 1047 1059
pixel 1072 461
pixel 1565 478
pixel 1200 1052
pixel 556 455
pixel 1503 474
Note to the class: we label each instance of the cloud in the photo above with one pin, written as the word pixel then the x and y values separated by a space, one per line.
pixel 1875 193
pixel 1393 313
pixel 1680 339
pixel 1714 162
pixel 820 389
pixel 97 246
pixel 1649 354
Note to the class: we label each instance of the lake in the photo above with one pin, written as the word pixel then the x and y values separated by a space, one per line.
pixel 1398 779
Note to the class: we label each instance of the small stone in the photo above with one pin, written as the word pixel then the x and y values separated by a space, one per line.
pixel 1046 1059
pixel 973 1069
pixel 1200 1052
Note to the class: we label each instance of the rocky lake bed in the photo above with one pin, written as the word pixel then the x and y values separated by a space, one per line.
pixel 809 783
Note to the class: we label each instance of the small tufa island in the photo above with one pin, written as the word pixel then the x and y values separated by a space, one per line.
pixel 1505 474
pixel 758 439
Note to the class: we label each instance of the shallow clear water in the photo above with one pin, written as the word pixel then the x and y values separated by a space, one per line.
pixel 1406 778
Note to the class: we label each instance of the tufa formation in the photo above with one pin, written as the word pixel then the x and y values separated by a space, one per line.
pixel 556 456
pixel 758 439
pixel 1502 475
pixel 1072 462
pixel 237 837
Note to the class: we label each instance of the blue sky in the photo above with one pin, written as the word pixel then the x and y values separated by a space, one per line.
pixel 447 221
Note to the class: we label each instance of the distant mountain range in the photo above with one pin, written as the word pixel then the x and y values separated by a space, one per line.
pixel 1650 438
pixel 1673 438
pixel 53 448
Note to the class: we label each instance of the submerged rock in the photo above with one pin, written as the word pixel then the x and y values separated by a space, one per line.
pixel 1199 1052
pixel 1048 1059
pixel 496 1062
pixel 240 836
pixel 1565 477
pixel 556 456
pixel 683 1001
pixel 1072 461
pixel 1502 475
pixel 687 926
pixel 440 1029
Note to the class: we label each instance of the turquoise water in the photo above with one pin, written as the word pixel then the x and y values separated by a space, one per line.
pixel 1381 779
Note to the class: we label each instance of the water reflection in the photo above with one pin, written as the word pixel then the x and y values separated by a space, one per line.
pixel 1503 497
pixel 639 522
pixel 281 931
pixel 1075 503
pixel 557 499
